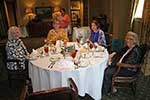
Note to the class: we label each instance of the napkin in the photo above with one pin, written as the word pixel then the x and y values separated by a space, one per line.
pixel 85 45
pixel 84 62
pixel 100 49
pixel 64 64
pixel 35 54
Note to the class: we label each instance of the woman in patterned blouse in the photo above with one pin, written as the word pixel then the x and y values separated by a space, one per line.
pixel 57 33
pixel 15 49
pixel 96 34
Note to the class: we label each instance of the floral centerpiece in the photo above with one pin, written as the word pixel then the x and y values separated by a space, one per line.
pixel 79 38
pixel 90 44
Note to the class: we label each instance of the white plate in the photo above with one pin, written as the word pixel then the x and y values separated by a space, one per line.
pixel 83 64
pixel 54 58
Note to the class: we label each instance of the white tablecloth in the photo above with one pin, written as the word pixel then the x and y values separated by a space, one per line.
pixel 88 79
pixel 82 30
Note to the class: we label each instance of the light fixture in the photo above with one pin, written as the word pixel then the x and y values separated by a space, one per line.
pixel 29 15
pixel 28 10
pixel 56 2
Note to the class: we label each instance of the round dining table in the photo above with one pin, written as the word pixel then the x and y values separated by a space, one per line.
pixel 88 75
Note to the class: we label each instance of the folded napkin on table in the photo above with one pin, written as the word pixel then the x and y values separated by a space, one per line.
pixel 64 64
pixel 34 54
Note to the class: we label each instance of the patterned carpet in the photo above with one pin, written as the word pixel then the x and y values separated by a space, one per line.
pixel 142 91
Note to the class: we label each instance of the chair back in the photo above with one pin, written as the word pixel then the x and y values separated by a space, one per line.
pixel 143 48
pixel 21 74
pixel 61 93
pixel 3 53
pixel 116 44
pixel 131 79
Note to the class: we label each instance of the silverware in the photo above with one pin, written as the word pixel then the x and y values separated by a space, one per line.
pixel 51 64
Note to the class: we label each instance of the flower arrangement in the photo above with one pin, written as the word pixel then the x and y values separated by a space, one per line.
pixel 87 41
pixel 79 38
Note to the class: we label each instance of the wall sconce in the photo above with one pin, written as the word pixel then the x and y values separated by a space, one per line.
pixel 28 10
pixel 29 3
pixel 29 15
pixel 56 2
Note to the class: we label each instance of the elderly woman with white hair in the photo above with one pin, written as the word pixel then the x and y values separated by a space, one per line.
pixel 15 49
pixel 130 54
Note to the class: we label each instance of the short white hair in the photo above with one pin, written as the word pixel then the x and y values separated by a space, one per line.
pixel 11 32
pixel 134 35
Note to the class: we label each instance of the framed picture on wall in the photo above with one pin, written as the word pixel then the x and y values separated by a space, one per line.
pixel 44 12
pixel 75 14
pixel 75 4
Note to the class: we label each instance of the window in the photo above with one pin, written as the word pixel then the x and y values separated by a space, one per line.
pixel 139 10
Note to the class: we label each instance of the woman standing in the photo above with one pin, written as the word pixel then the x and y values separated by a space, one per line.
pixel 65 20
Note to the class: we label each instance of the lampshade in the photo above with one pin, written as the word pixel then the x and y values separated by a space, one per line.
pixel 56 9
pixel 29 15
pixel 28 10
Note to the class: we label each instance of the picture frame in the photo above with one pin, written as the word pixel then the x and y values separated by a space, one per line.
pixel 75 5
pixel 75 14
pixel 44 12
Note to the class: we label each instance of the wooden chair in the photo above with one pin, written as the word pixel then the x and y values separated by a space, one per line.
pixel 108 38
pixel 116 44
pixel 61 93
pixel 128 82
pixel 21 74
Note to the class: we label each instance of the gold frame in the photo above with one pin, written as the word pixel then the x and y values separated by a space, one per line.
pixel 74 14
pixel 45 12
pixel 75 5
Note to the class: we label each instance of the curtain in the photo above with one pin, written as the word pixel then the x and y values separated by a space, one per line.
pixel 145 29
pixel 134 4
pixel 144 35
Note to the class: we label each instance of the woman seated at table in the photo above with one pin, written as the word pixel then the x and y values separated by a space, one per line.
pixel 15 49
pixel 96 34
pixel 130 54
pixel 57 33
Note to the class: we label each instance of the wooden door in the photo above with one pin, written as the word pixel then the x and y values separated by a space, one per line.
pixel 3 21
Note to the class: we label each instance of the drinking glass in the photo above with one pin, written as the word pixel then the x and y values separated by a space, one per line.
pixel 54 42
pixel 41 52
pixel 73 54
pixel 91 45
pixel 46 49
pixel 78 40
